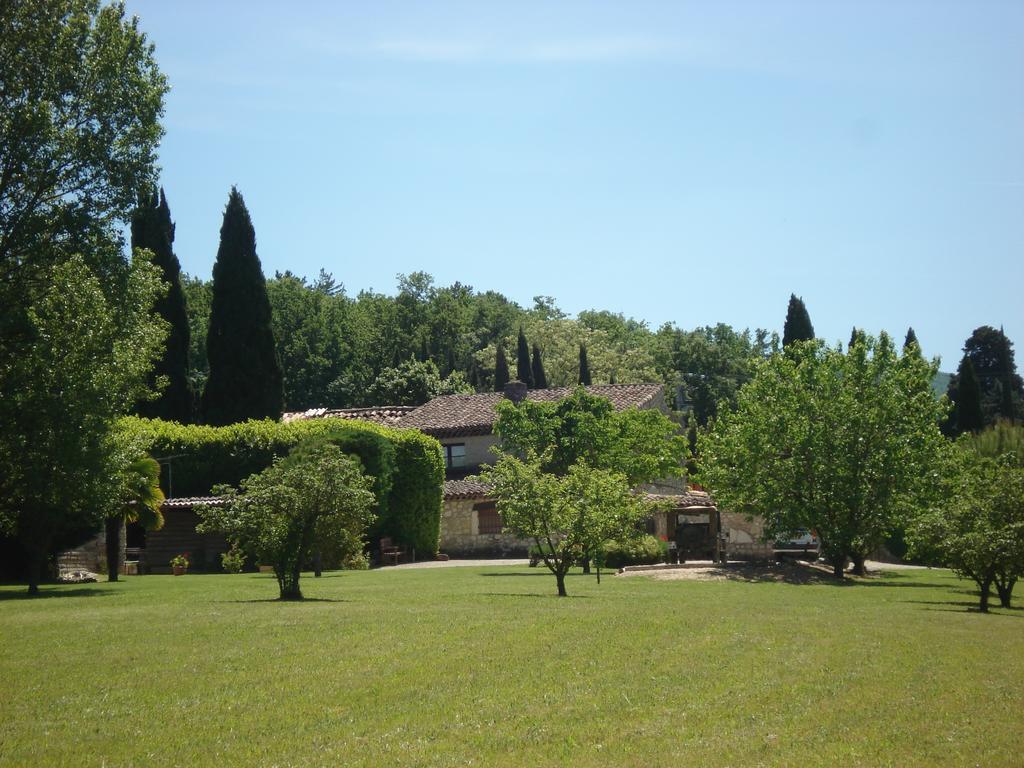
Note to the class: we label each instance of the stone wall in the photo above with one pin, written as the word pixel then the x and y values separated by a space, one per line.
pixel 745 537
pixel 460 532
pixel 91 556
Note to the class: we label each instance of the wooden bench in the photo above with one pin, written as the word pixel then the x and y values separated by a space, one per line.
pixel 389 551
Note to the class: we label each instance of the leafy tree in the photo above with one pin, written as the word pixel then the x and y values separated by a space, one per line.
pixel 153 230
pixel 80 104
pixel 798 322
pixel 965 394
pixel 975 524
pixel 60 465
pixel 80 101
pixel 198 299
pixel 524 370
pixel 584 377
pixel 569 516
pixel 414 383
pixel 855 336
pixel 501 377
pixel 707 366
pixel 1003 440
pixel 315 496
pixel 141 499
pixel 555 449
pixel 310 323
pixel 842 443
pixel 245 379
pixel 540 380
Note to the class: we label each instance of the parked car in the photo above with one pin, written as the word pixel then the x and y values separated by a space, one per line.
pixel 799 542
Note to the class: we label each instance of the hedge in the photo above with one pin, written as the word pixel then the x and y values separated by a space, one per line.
pixel 407 466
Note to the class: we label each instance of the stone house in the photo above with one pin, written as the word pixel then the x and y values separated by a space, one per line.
pixel 464 425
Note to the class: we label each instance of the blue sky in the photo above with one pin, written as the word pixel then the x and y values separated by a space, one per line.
pixel 684 162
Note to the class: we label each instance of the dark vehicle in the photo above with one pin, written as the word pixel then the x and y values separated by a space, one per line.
pixel 697 535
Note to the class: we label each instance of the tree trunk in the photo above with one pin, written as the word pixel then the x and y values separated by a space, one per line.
pixel 317 564
pixel 1004 587
pixel 586 564
pixel 560 579
pixel 289 582
pixel 113 547
pixel 35 570
pixel 985 585
pixel 838 567
pixel 858 565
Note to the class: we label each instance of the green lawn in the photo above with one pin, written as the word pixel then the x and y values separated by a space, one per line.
pixel 484 666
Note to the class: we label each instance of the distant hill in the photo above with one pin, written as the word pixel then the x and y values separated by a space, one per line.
pixel 941 382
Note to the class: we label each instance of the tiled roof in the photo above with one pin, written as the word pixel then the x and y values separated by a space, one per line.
pixel 187 502
pixel 465 489
pixel 388 415
pixel 684 499
pixel 463 415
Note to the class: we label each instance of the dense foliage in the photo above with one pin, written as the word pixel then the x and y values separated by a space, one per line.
pixel 317 496
pixel 568 470
pixel 406 466
pixel 245 379
pixel 80 102
pixel 844 443
pixel 153 230
pixel 975 523
pixel 798 322
pixel 986 387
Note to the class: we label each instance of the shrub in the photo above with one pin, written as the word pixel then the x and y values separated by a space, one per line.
pixel 407 466
pixel 233 560
pixel 645 550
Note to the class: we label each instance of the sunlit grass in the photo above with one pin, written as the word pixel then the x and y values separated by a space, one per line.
pixel 485 666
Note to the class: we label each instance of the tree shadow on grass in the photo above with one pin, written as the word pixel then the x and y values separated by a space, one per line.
pixel 545 573
pixel 960 606
pixel 537 594
pixel 288 602
pixel 55 591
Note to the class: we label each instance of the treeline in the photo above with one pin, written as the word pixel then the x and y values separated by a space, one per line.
pixel 341 351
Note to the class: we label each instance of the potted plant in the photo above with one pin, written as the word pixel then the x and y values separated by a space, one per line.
pixel 179 564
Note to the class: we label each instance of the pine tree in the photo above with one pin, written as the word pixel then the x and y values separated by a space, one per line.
pixel 153 230
pixel 798 322
pixel 245 377
pixel 540 380
pixel 966 396
pixel 911 339
pixel 500 370
pixel 584 366
pixel 855 336
pixel 523 369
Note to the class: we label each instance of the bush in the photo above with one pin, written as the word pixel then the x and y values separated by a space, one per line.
pixel 407 466
pixel 645 550
pixel 233 560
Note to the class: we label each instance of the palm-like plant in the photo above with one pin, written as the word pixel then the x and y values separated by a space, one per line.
pixel 141 499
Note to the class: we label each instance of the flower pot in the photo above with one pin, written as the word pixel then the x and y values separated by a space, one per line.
pixel 178 570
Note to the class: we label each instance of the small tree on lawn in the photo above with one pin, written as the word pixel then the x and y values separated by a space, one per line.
pixel 975 524
pixel 551 451
pixel 566 516
pixel 315 495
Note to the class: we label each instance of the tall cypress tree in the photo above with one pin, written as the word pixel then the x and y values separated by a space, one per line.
pixel 966 396
pixel 540 380
pixel 523 368
pixel 911 339
pixel 855 335
pixel 584 366
pixel 153 230
pixel 245 376
pixel 500 370
pixel 798 322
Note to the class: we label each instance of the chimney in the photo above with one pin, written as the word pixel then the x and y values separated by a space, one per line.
pixel 516 391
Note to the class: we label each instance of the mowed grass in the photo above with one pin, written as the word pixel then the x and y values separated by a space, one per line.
pixel 485 666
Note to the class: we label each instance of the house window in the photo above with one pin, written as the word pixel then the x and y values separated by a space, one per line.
pixel 455 455
pixel 487 518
